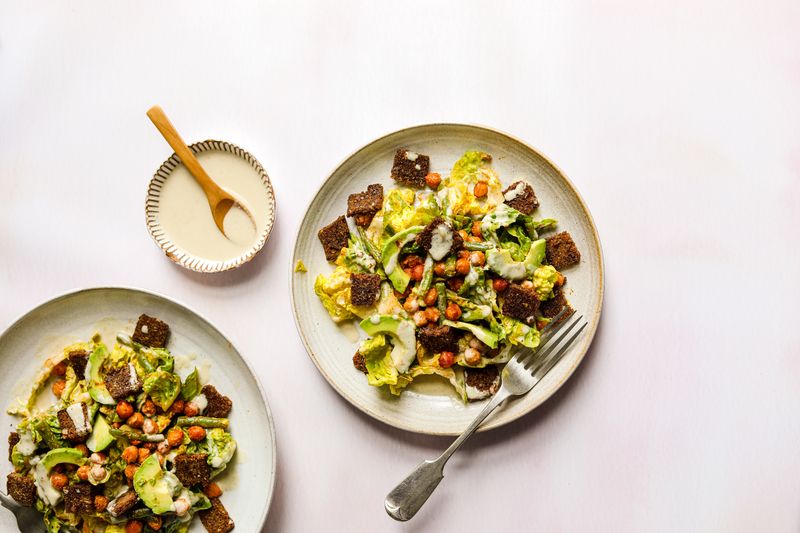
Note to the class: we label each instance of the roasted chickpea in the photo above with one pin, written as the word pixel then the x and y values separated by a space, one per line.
pixel 454 284
pixel 417 272
pixel 163 447
pixel 100 503
pixel 136 420
pixel 83 449
pixel 130 470
pixel 134 526
pixel 83 473
pixel 431 296
pixel 144 453
pixel 177 406
pixel 433 180
pixel 472 356
pixel 463 254
pixel 446 359
pixel 411 305
pixel 130 454
pixel 453 311
pixel 58 387
pixel 473 238
pixel 148 408
pixel 476 229
pixel 149 426
pixel 97 473
pixel 124 410
pixel 477 258
pixel 58 481
pixel 439 269
pixel 116 425
pixel 191 409
pixel 462 266
pixel 98 458
pixel 540 324
pixel 196 433
pixel 410 261
pixel 420 319
pixel 154 523
pixel 60 369
pixel 499 284
pixel 432 314
pixel 175 437
pixel 527 284
pixel 212 490
pixel 463 234
pixel 480 190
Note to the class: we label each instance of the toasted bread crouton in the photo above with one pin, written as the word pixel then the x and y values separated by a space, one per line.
pixel 410 168
pixel 486 379
pixel 192 469
pixel 521 197
pixel 364 289
pixel 561 251
pixel 77 359
pixel 216 519
pixel 334 237
pixel 438 338
pixel 69 429
pixel 363 205
pixel 436 235
pixel 13 439
pixel 78 498
pixel 21 488
pixel 360 363
pixel 123 382
pixel 550 308
pixel 520 303
pixel 219 406
pixel 123 503
pixel 151 331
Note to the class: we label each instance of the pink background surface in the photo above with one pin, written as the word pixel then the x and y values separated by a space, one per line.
pixel 678 122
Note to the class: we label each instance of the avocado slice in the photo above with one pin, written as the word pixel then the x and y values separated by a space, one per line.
pixel 97 388
pixel 484 335
pixel 154 486
pixel 62 455
pixel 403 335
pixel 391 253
pixel 501 262
pixel 101 438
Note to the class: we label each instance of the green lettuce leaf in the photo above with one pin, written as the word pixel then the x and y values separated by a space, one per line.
pixel 377 358
pixel 191 387
pixel 334 293
pixel 163 388
pixel 519 333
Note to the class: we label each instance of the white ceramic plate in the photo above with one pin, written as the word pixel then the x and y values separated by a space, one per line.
pixel 249 482
pixel 430 405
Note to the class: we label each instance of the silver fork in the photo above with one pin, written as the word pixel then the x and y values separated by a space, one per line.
pixel 29 519
pixel 525 369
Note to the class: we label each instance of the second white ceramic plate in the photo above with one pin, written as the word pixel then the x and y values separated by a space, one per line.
pixel 430 405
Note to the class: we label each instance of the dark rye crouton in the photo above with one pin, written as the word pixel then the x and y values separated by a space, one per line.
pixel 77 359
pixel 219 406
pixel 520 303
pixel 410 168
pixel 521 197
pixel 151 331
pixel 362 206
pixel 441 230
pixel 21 488
pixel 68 429
pixel 561 251
pixel 364 289
pixel 123 382
pixel 360 363
pixel 484 379
pixel 438 338
pixel 123 503
pixel 550 308
pixel 78 498
pixel 13 439
pixel 192 469
pixel 334 237
pixel 216 519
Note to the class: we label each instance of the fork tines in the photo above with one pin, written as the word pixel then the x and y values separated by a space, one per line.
pixel 559 337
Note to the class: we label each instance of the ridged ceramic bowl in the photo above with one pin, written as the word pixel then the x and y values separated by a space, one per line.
pixel 162 237
pixel 430 405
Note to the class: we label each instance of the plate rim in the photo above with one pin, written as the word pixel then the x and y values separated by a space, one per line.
pixel 74 292
pixel 593 326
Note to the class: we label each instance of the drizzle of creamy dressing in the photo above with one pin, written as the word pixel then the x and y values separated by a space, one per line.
pixel 26 446
pixel 505 269
pixel 441 242
pixel 515 192
pixel 411 156
pixel 350 331
pixel 41 479
pixel 75 412
pixel 133 379
pixel 200 402
pixel 186 218
pixel 375 319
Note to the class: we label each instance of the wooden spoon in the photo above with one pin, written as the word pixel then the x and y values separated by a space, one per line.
pixel 219 200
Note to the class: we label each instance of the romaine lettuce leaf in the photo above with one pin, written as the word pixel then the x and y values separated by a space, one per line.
pixel 518 333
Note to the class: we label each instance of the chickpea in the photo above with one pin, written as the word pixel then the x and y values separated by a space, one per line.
pixel 148 408
pixel 420 319
pixel 417 272
pixel 58 481
pixel 431 296
pixel 196 433
pixel 149 426
pixel 540 324
pixel 83 473
pixel 453 311
pixel 144 453
pixel 411 305
pixel 446 359
pixel 130 471
pixel 463 254
pixel 477 258
pixel 191 409
pixel 439 269
pixel 116 425
pixel 527 284
pixel 155 523
pixel 130 454
pixel 98 458
pixel 136 420
pixel 150 446
pixel 58 387
pixel 480 190
pixel 410 261
pixel 433 179
pixel 100 503
pixel 432 314
pixel 180 506
pixel 134 526
pixel 124 410
pixel 474 342
pixel 462 266
pixel 163 447
pixel 97 473
pixel 499 284
pixel 83 449
pixel 212 490
pixel 175 437
pixel 561 280
pixel 60 369
pixel 473 238
pixel 177 406
pixel 463 234
pixel 476 229
pixel 454 284
pixel 472 356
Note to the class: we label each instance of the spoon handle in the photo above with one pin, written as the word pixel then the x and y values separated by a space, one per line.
pixel 213 191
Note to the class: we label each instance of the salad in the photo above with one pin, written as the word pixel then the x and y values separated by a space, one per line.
pixel 445 275
pixel 127 445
